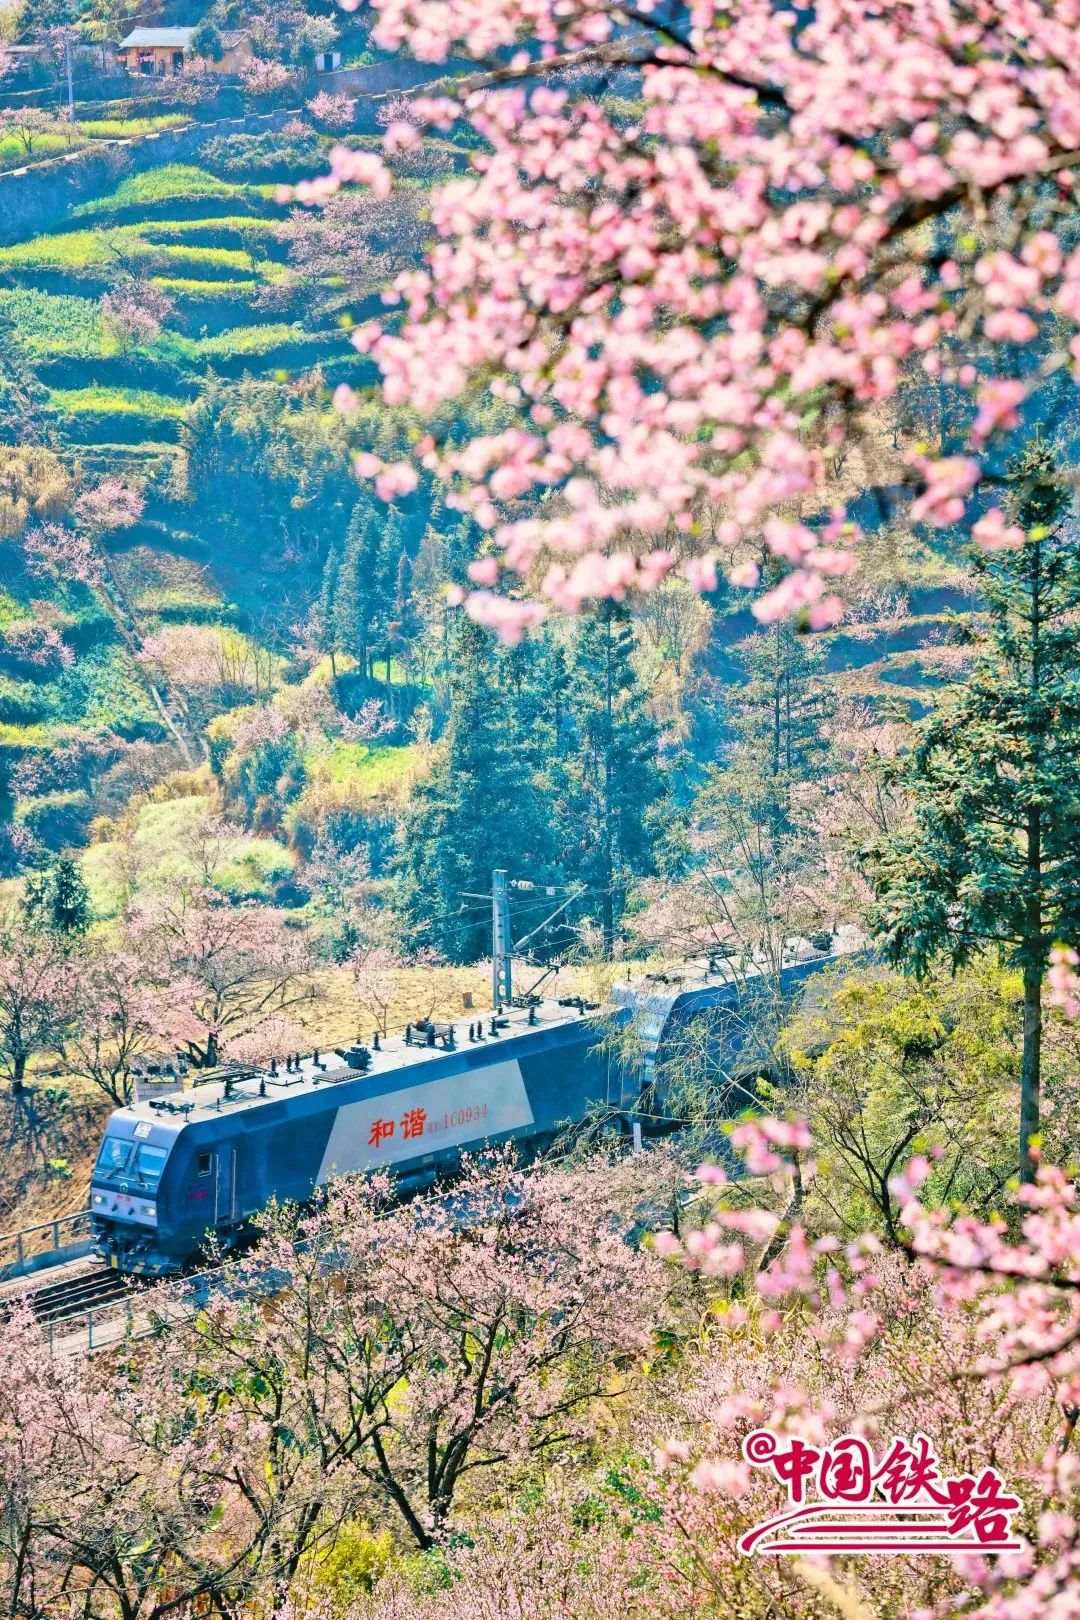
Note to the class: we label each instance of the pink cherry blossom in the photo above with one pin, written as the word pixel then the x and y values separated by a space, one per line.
pixel 686 339
pixel 993 533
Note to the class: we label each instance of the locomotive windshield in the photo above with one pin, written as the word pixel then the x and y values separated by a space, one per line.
pixel 149 1162
pixel 113 1158
pixel 121 1160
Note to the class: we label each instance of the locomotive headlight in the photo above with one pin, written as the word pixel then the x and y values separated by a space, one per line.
pixel 99 1198
pixel 150 1210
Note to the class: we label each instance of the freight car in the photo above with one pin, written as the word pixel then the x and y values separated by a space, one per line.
pixel 174 1169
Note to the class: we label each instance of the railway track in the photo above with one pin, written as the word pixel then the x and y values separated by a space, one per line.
pixel 72 1297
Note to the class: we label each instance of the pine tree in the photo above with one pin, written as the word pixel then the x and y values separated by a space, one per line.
pixel 328 596
pixel 778 716
pixel 360 602
pixel 407 625
pixel 57 900
pixel 391 552
pixel 748 819
pixel 481 807
pixel 617 783
pixel 991 855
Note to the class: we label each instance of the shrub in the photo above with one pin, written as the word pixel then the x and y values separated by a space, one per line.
pixel 33 484
pixel 276 154
pixel 25 701
pixel 56 820
pixel 259 873
pixel 103 691
pixel 348 1568
pixel 54 324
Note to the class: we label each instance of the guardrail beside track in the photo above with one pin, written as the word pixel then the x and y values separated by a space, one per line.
pixel 49 1243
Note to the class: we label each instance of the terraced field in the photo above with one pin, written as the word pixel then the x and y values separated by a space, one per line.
pixel 118 407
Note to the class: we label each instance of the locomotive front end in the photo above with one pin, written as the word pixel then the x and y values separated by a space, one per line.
pixel 124 1196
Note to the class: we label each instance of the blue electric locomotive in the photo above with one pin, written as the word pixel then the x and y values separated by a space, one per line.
pixel 173 1169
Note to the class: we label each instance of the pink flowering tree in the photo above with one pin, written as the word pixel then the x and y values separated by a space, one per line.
pixel 37 996
pixel 37 643
pixel 451 1354
pixel 331 110
pixel 263 78
pixel 125 1493
pixel 699 308
pixel 973 1338
pixel 221 970
pixel 53 550
pixel 73 551
pixel 134 313
pixel 117 1016
pixel 376 968
pixel 370 722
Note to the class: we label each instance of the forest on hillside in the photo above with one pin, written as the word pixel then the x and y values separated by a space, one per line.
pixel 583 495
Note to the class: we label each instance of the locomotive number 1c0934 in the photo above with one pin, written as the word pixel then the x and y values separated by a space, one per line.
pixel 473 1115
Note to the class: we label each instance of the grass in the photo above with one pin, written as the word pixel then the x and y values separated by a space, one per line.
pixel 364 771
pixel 160 841
pixel 224 224
pixel 252 340
pixel 173 182
pixel 51 324
pixel 419 992
pixel 125 128
pixel 193 290
pixel 125 244
pixel 102 690
pixel 13 155
pixel 115 402
pixel 156 581
pixel 75 250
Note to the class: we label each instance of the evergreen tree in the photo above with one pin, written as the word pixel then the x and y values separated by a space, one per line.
pixel 777 717
pixel 391 552
pixel 991 855
pixel 57 900
pixel 407 626
pixel 328 604
pixel 360 602
pixel 481 807
pixel 616 782
pixel 748 820
pixel 750 814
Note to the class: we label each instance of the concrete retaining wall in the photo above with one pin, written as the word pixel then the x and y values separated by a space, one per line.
pixel 38 196
pixel 34 198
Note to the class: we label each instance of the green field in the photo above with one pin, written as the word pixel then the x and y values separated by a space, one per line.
pixel 114 402
pixel 251 867
pixel 173 182
pixel 118 405
pixel 134 246
pixel 127 128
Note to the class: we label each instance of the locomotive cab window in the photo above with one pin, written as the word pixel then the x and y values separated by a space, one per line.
pixel 114 1156
pixel 203 1164
pixel 149 1162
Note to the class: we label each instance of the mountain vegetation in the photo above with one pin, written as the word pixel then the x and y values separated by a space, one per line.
pixel 631 451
